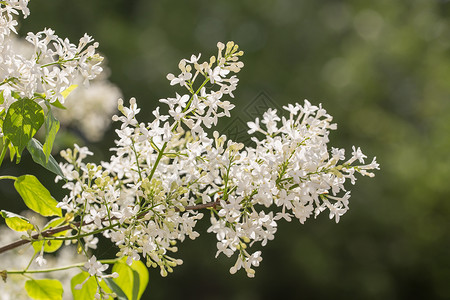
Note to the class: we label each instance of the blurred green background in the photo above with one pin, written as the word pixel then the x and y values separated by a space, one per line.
pixel 381 68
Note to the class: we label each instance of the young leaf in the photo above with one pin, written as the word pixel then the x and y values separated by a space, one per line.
pixel 23 119
pixel 15 95
pixel 5 145
pixel 132 279
pixel 51 128
pixel 39 157
pixel 69 90
pixel 3 112
pixel 36 196
pixel 89 287
pixel 12 151
pixel 16 222
pixel 44 289
pixel 51 246
pixel 58 104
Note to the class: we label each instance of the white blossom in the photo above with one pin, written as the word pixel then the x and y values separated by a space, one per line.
pixel 147 196
pixel 94 267
pixel 48 67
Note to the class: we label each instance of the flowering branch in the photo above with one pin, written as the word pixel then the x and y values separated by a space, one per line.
pixel 53 231
pixel 147 197
pixel 163 167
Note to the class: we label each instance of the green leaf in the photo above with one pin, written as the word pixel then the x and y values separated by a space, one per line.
pixel 16 222
pixel 15 95
pixel 65 94
pixel 89 287
pixel 142 270
pixel 51 246
pixel 44 289
pixel 12 151
pixel 2 117
pixel 58 104
pixel 116 289
pixel 69 90
pixel 132 279
pixel 5 145
pixel 128 279
pixel 36 196
pixel 23 119
pixel 51 128
pixel 39 157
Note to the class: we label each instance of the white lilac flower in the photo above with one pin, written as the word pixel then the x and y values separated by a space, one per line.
pixel 94 267
pixel 40 260
pixel 147 196
pixel 48 67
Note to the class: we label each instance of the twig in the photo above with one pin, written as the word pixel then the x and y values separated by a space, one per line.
pixel 45 233
pixel 52 231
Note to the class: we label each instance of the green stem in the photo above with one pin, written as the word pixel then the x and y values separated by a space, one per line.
pixel 31 260
pixel 137 159
pixel 103 261
pixel 8 80
pixel 196 92
pixel 59 62
pixel 226 179
pixel 160 155
pixel 75 237
pixel 82 219
pixel 8 177
pixel 161 152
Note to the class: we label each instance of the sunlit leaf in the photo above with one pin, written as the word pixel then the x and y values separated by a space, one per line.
pixel 69 90
pixel 5 145
pixel 128 280
pixel 88 289
pixel 15 95
pixel 12 151
pixel 51 128
pixel 23 119
pixel 142 270
pixel 16 222
pixel 51 246
pixel 36 196
pixel 132 279
pixel 44 289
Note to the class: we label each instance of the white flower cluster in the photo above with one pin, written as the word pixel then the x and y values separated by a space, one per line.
pixel 147 197
pixel 8 9
pixel 51 69
pixel 87 107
